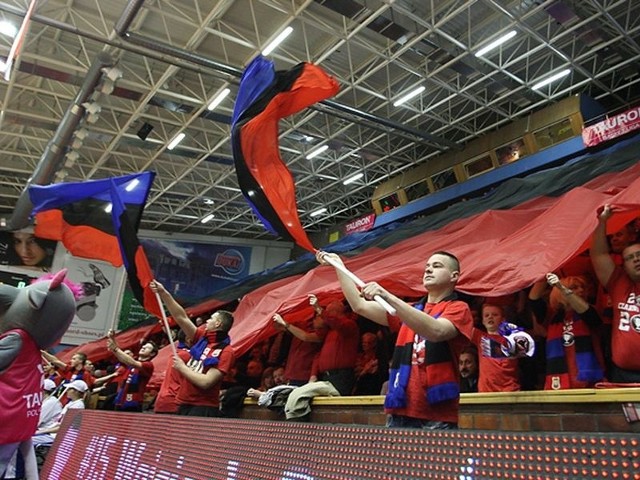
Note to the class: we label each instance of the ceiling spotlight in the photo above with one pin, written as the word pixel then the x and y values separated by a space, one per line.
pixel 71 158
pixel 93 110
pixel 208 218
pixel 108 86
pixel 82 133
pixel 112 73
pixel 8 29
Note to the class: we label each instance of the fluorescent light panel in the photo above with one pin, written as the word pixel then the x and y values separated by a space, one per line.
pixel 551 79
pixel 108 208
pixel 317 152
pixel 320 211
pixel 496 43
pixel 208 218
pixel 409 96
pixel 353 178
pixel 218 99
pixel 277 41
pixel 8 29
pixel 176 140
pixel 132 184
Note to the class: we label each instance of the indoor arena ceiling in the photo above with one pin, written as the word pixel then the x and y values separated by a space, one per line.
pixel 175 56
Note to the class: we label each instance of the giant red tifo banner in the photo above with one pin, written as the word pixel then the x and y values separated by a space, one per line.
pixel 612 127
pixel 501 252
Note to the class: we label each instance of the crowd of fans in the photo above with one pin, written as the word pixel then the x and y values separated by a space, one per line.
pixel 568 315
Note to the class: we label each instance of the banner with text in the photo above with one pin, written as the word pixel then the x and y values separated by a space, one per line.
pixel 193 271
pixel 612 127
pixel 361 224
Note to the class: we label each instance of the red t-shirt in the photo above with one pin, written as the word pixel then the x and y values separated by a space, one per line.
pixel 21 392
pixel 131 394
pixel 458 313
pixel 625 331
pixel 189 394
pixel 496 374
pixel 340 346
pixel 166 401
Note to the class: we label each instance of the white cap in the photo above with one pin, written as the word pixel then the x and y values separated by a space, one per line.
pixel 78 385
pixel 49 385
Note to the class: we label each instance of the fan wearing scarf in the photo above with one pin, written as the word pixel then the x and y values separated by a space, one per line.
pixel 211 358
pixel 130 396
pixel 424 387
pixel 574 355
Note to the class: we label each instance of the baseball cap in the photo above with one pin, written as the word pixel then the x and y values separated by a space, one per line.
pixel 78 385
pixel 49 385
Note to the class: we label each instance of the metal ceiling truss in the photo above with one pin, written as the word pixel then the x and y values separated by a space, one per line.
pixel 176 55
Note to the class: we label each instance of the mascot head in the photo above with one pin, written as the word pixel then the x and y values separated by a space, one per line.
pixel 44 309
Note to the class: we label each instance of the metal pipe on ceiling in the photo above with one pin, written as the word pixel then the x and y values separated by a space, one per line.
pixel 53 154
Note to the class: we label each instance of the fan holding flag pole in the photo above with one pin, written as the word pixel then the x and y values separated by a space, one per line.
pixel 264 97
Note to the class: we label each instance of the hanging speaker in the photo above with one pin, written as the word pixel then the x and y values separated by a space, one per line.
pixel 144 131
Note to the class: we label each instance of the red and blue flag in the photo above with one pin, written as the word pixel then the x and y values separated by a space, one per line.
pixel 264 97
pixel 99 219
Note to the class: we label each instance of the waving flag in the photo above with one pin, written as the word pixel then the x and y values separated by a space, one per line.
pixel 99 219
pixel 264 97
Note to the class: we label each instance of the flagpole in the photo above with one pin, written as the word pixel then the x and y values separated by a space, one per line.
pixel 381 301
pixel 166 326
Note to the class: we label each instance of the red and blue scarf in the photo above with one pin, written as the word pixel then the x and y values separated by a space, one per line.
pixel 441 379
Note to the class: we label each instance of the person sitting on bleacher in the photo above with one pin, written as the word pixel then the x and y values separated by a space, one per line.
pixel 76 391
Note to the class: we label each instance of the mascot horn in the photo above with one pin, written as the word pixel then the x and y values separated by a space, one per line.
pixel 31 319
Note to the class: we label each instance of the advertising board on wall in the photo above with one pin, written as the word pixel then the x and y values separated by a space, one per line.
pixel 192 271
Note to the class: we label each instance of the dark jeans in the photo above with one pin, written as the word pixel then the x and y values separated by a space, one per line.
pixel 620 375
pixel 401 421
pixel 198 411
pixel 341 378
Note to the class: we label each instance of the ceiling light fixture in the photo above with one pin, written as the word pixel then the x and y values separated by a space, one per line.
pixel 496 43
pixel 132 185
pixel 108 208
pixel 176 140
pixel 112 73
pixel 71 158
pixel 317 152
pixel 277 41
pixel 93 110
pixel 409 96
pixel 353 178
pixel 8 29
pixel 320 211
pixel 218 98
pixel 208 218
pixel 551 79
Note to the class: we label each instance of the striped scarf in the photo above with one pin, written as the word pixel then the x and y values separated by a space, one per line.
pixel 441 379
